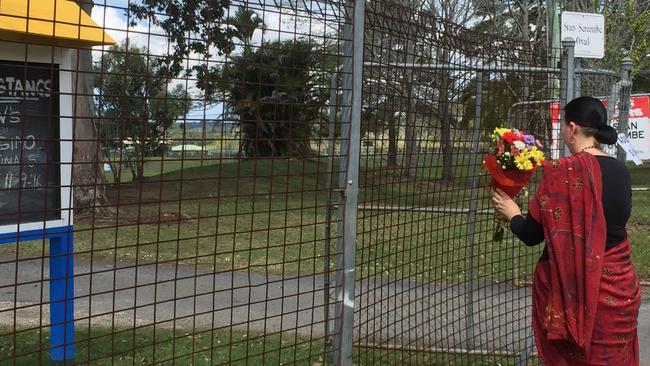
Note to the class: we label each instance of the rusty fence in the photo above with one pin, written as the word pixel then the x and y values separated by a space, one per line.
pixel 248 183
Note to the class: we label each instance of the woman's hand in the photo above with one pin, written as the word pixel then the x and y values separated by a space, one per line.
pixel 504 204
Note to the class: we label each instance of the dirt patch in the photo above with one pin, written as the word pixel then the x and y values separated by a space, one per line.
pixel 635 226
pixel 394 176
pixel 130 218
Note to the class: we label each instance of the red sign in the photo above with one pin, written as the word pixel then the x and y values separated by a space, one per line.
pixel 638 125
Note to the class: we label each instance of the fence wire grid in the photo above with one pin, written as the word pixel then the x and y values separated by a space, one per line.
pixel 278 183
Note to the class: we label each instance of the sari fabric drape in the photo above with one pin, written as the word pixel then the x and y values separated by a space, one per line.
pixel 585 300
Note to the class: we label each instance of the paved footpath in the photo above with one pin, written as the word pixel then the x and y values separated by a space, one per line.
pixel 194 297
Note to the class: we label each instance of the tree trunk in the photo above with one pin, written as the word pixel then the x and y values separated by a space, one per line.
pixel 447 147
pixel 525 35
pixel 410 140
pixel 392 142
pixel 140 160
pixel 88 173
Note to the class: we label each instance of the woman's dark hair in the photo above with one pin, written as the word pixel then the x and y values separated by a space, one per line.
pixel 591 115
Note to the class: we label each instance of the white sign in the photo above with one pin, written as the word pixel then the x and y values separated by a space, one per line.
pixel 638 126
pixel 588 30
pixel 631 154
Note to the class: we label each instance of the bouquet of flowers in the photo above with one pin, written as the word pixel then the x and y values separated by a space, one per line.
pixel 512 163
pixel 514 159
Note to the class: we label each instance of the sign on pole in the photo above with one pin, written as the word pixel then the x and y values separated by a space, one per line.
pixel 588 30
pixel 36 140
pixel 30 177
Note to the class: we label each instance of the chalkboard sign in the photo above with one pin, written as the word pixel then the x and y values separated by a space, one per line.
pixel 30 187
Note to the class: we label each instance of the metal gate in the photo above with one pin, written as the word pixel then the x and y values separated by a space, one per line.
pixel 302 185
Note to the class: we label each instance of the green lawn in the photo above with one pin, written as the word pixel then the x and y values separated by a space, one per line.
pixel 269 216
pixel 144 346
pixel 640 174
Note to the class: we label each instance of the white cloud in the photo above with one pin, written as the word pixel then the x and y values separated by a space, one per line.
pixel 142 35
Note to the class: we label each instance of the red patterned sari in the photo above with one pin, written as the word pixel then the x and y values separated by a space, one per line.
pixel 585 300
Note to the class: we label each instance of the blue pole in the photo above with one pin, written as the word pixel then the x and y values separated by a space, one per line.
pixel 62 297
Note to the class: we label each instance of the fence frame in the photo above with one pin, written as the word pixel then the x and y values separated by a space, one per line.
pixel 568 74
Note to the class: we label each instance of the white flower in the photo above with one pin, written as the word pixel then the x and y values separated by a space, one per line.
pixel 519 145
pixel 503 166
pixel 507 153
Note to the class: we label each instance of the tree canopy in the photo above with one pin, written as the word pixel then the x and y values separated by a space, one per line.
pixel 135 102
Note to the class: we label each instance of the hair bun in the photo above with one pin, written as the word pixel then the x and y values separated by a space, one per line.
pixel 606 135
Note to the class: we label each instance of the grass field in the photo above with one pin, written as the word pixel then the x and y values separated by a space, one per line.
pixel 143 346
pixel 269 216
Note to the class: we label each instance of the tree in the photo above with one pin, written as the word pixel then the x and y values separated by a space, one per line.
pixel 136 104
pixel 627 32
pixel 380 116
pixel 274 92
pixel 245 22
pixel 627 29
pixel 392 36
pixel 192 28
pixel 421 32
pixel 88 178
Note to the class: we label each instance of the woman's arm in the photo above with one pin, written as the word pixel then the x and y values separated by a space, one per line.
pixel 504 204
pixel 527 229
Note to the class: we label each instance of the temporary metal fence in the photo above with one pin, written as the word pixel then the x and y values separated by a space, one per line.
pixel 301 184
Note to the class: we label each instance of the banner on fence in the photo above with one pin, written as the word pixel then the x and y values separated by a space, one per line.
pixel 638 133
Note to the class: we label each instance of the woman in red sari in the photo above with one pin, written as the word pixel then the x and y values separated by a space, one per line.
pixel 586 294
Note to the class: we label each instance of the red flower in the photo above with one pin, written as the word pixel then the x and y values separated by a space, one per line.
pixel 511 137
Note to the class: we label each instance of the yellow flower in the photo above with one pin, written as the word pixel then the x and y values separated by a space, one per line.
pixel 536 155
pixel 498 133
pixel 523 161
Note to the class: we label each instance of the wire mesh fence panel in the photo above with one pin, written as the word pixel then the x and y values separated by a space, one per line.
pixel 246 182
pixel 202 158
pixel 434 288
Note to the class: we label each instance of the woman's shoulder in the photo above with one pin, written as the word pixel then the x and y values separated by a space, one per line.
pixel 563 165
pixel 558 164
pixel 611 164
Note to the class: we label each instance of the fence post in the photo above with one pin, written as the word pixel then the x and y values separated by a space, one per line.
pixel 567 77
pixel 577 86
pixel 624 104
pixel 471 217
pixel 62 333
pixel 331 151
pixel 349 184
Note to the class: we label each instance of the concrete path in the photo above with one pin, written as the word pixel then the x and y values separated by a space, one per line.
pixel 194 297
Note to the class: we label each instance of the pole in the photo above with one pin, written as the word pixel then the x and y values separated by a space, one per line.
pixel 553 25
pixel 624 104
pixel 567 77
pixel 331 150
pixel 471 217
pixel 577 88
pixel 346 250
pixel 62 333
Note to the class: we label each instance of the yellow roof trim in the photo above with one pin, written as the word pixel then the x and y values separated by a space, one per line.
pixel 54 22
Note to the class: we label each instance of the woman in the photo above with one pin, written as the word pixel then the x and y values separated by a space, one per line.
pixel 586 294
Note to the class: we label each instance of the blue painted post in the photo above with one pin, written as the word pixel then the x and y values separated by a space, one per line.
pixel 62 297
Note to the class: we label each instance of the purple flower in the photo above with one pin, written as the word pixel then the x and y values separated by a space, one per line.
pixel 529 140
